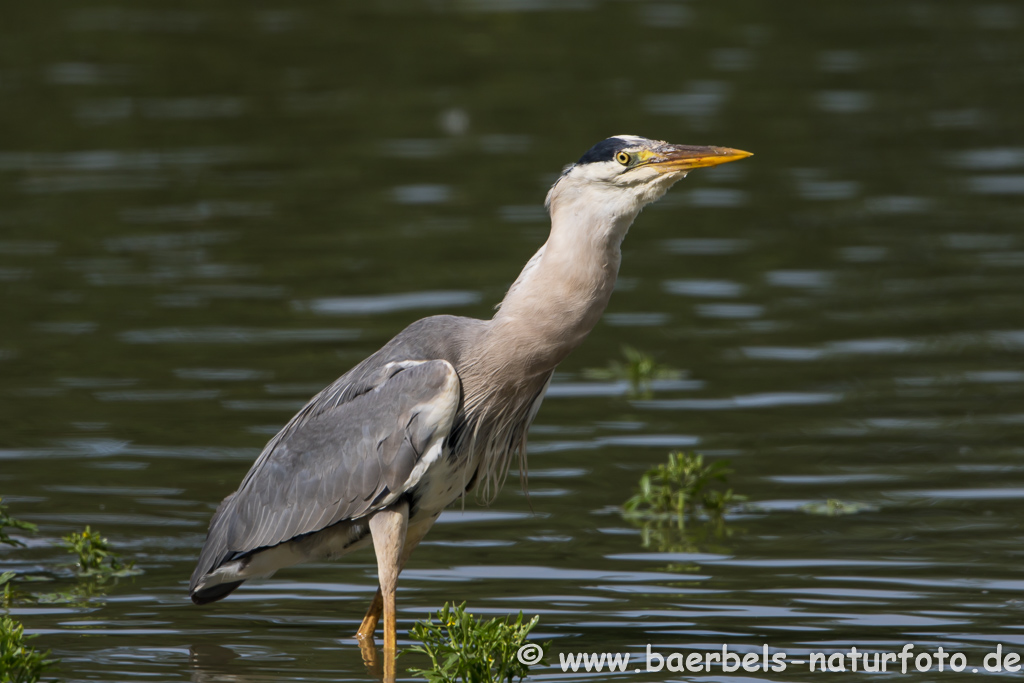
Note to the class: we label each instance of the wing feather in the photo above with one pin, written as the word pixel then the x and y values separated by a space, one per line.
pixel 343 454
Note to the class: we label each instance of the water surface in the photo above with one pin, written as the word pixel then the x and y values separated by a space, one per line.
pixel 208 211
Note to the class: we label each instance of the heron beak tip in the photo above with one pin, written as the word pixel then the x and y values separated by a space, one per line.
pixel 686 158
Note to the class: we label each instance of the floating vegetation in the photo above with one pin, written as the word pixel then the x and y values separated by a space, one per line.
pixel 680 490
pixel 96 564
pixel 462 648
pixel 680 487
pixel 95 558
pixel 8 522
pixel 19 662
pixel 639 369
pixel 834 508
pixel 82 594
pixel 9 595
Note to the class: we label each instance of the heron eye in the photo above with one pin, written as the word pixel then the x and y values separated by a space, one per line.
pixel 623 158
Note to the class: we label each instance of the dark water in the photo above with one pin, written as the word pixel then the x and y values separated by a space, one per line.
pixel 210 210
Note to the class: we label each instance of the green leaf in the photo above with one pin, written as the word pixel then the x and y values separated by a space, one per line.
pixel 8 522
pixel 19 662
pixel 95 558
pixel 670 493
pixel 464 649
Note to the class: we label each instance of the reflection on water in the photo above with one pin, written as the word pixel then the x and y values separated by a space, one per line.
pixel 208 213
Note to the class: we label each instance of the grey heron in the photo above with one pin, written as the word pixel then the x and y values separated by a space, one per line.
pixel 444 407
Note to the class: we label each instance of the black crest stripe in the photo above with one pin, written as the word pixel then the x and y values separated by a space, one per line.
pixel 603 151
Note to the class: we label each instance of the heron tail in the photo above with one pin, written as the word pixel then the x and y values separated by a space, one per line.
pixel 205 595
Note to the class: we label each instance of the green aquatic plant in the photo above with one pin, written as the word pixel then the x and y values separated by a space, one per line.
pixel 639 369
pixel 95 558
pixel 671 493
pixel 19 662
pixel 463 648
pixel 835 508
pixel 9 595
pixel 82 594
pixel 8 522
pixel 96 564
pixel 681 487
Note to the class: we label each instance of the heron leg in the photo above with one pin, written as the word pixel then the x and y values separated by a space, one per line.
pixel 368 649
pixel 387 528
pixel 413 536
pixel 373 614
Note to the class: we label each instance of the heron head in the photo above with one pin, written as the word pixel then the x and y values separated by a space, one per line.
pixel 632 171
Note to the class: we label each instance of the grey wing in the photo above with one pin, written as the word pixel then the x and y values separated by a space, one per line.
pixel 338 460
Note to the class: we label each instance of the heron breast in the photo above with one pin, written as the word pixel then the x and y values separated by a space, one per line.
pixel 442 482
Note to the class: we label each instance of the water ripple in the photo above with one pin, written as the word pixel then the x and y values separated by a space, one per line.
pixel 768 400
pixel 389 303
pixel 234 335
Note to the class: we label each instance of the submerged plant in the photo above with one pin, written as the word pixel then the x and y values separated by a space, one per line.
pixel 96 563
pixel 462 648
pixel 834 508
pixel 8 522
pixel 82 594
pixel 679 487
pixel 19 662
pixel 95 558
pixel 8 595
pixel 671 493
pixel 639 369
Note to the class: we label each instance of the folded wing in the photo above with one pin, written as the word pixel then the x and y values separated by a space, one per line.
pixel 352 450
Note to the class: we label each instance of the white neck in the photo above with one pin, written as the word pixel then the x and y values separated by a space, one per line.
pixel 565 287
pixel 549 310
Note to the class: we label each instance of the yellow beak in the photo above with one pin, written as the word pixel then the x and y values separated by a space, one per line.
pixel 675 158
